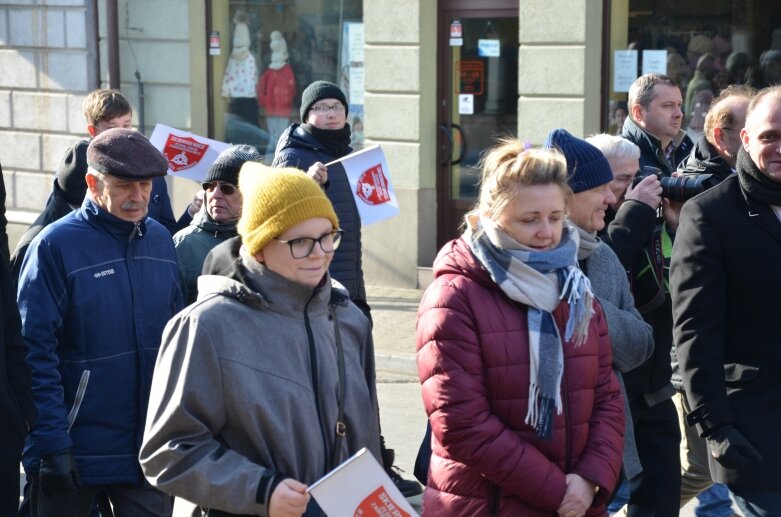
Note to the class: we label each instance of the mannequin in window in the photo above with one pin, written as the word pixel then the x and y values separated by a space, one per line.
pixel 276 90
pixel 241 74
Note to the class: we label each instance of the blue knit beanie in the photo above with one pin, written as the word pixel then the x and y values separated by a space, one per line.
pixel 587 167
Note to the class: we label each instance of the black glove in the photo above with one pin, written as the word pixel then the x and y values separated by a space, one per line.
pixel 58 473
pixel 730 448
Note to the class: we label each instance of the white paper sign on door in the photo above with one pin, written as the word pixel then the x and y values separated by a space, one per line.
pixel 624 69
pixel 466 104
pixel 654 61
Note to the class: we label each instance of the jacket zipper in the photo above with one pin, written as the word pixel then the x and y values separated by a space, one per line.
pixel 567 444
pixel 313 375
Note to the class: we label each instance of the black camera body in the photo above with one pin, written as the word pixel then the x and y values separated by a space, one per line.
pixel 679 188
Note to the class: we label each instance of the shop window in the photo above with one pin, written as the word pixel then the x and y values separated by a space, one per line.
pixel 704 45
pixel 264 53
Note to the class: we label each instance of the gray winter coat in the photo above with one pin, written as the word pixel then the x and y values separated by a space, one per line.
pixel 631 336
pixel 245 390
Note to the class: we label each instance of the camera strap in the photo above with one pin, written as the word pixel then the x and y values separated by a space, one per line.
pixel 647 278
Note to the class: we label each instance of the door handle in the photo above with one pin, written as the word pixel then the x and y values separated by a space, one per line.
pixel 462 150
pixel 449 138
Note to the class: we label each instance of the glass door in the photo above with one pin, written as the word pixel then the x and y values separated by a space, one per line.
pixel 478 95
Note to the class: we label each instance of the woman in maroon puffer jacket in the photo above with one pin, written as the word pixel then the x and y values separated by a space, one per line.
pixel 514 356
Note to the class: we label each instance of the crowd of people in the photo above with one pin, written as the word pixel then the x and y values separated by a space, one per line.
pixel 599 339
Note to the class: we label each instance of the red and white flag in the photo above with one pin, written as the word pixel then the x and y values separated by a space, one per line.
pixel 188 155
pixel 369 177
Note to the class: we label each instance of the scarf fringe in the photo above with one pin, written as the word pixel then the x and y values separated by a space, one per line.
pixel 580 297
pixel 540 414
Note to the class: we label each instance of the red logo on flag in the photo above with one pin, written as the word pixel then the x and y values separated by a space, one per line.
pixel 373 186
pixel 183 152
pixel 379 504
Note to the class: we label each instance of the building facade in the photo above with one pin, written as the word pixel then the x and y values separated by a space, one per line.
pixel 433 82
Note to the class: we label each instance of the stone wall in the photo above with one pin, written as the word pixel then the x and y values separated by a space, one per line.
pixel 47 55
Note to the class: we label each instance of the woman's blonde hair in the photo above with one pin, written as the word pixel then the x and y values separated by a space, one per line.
pixel 509 166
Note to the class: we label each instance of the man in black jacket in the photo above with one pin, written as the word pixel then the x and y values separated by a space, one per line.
pixel 714 153
pixel 725 283
pixel 17 411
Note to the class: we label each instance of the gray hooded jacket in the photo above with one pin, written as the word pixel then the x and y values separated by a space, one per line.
pixel 245 390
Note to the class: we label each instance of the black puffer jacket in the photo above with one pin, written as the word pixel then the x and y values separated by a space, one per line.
pixel 297 148
pixel 705 160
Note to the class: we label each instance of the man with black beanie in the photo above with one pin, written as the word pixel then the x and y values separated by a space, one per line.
pixel 322 137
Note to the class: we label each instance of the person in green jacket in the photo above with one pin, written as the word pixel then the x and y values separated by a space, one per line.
pixel 216 220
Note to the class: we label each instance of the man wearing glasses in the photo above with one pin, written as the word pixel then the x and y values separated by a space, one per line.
pixel 216 221
pixel 322 137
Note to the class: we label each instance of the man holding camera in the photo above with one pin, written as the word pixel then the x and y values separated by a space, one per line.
pixel 643 242
pixel 725 285
pixel 715 153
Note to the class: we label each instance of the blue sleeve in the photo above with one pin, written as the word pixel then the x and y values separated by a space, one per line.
pixel 42 297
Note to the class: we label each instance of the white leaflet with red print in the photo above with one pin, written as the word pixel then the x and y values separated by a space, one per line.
pixel 369 176
pixel 189 156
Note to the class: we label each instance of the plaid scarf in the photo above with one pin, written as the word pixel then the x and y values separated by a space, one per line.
pixel 539 280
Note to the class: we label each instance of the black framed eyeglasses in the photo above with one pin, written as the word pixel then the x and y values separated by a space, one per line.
pixel 336 108
pixel 302 247
pixel 225 188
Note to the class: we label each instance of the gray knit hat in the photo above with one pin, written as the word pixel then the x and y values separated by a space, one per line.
pixel 127 154
pixel 587 167
pixel 320 90
pixel 227 165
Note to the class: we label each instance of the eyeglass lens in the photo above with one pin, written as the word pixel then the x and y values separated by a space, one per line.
pixel 336 108
pixel 302 247
pixel 225 188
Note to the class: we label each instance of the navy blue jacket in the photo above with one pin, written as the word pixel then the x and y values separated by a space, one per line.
pixel 297 148
pixel 95 293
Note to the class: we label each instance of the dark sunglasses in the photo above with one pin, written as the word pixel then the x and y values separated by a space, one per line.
pixel 225 188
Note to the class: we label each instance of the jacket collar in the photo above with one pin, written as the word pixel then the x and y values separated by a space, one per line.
pixel 253 284
pixel 206 223
pixel 704 159
pixel 648 143
pixel 111 224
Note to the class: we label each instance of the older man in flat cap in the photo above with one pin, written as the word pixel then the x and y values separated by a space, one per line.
pixel 96 289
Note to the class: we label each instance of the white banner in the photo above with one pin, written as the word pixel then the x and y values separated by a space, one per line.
pixel 189 156
pixel 369 177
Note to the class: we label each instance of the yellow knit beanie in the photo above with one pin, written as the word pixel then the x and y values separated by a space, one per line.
pixel 275 200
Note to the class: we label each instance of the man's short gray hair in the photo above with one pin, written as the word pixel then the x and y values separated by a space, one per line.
pixel 615 147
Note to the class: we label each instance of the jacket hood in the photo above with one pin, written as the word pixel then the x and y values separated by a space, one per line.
pixel 251 283
pixel 704 159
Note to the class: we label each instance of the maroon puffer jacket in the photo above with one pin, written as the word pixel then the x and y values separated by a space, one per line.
pixel 473 362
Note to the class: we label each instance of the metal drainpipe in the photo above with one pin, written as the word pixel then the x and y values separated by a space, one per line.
pixel 141 119
pixel 112 43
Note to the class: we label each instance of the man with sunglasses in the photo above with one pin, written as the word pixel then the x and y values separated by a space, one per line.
pixel 216 221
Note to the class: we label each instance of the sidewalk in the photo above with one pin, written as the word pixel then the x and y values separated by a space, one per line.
pixel 394 311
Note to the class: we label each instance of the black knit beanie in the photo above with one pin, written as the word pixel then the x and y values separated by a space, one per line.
pixel 227 165
pixel 320 90
pixel 587 167
pixel 71 171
